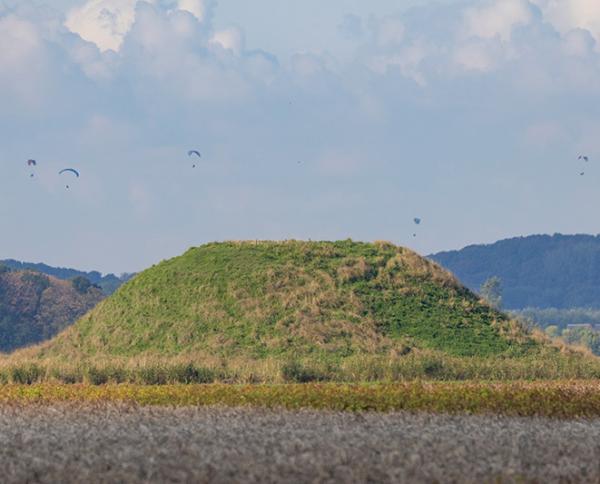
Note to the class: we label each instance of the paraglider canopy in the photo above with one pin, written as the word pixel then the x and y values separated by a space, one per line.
pixel 194 152
pixel 69 170
pixel 417 221
pixel 31 163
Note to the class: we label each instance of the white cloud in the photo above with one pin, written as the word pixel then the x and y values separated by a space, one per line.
pixel 497 18
pixel 103 22
pixel 229 39
pixel 567 15
pixel 106 23
pixel 199 8
pixel 161 53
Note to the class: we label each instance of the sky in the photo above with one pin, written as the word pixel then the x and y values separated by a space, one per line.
pixel 343 120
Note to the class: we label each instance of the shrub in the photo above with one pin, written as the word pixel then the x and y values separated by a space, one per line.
pixel 295 372
pixel 96 376
pixel 27 374
pixel 81 284
pixel 192 374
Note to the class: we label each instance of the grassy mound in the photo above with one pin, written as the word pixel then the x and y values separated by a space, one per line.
pixel 322 301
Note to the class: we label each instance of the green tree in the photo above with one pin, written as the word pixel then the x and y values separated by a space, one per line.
pixel 491 291
pixel 583 336
pixel 81 284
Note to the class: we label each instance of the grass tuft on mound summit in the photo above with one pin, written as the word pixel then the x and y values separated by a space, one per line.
pixel 322 301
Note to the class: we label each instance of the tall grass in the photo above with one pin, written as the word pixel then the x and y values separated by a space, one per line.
pixel 427 365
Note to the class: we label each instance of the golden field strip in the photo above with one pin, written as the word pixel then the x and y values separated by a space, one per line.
pixel 554 399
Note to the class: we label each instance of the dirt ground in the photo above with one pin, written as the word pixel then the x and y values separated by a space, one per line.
pixel 109 443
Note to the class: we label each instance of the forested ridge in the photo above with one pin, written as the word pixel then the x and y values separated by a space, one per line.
pixel 540 271
pixel 34 307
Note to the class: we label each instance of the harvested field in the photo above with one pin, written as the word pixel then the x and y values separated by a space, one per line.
pixel 83 442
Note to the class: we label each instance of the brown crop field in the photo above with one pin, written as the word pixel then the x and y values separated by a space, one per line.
pixel 402 432
pixel 105 442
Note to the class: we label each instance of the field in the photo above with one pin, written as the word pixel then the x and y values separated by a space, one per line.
pixel 418 431
pixel 564 400
pixel 83 442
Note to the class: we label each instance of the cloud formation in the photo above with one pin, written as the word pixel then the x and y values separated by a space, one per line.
pixel 107 22
pixel 435 114
pixel 567 15
pixel 103 22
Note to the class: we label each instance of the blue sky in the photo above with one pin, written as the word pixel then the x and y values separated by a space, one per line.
pixel 315 121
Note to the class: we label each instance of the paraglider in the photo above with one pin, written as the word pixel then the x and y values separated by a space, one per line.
pixel 417 221
pixel 584 158
pixel 31 163
pixel 192 153
pixel 69 170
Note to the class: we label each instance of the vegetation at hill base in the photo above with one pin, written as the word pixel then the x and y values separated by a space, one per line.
pixel 576 326
pixel 548 364
pixel 35 307
pixel 318 301
pixel 561 318
pixel 559 399
pixel 539 271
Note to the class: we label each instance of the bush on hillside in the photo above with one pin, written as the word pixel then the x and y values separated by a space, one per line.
pixel 81 284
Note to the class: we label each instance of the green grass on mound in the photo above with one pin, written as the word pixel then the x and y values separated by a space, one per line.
pixel 325 301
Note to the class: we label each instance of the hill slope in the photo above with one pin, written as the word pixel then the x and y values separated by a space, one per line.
pixel 35 307
pixel 324 300
pixel 559 271
pixel 109 283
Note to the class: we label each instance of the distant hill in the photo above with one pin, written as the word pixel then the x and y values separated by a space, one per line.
pixel 34 307
pixel 543 271
pixel 108 283
pixel 324 301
